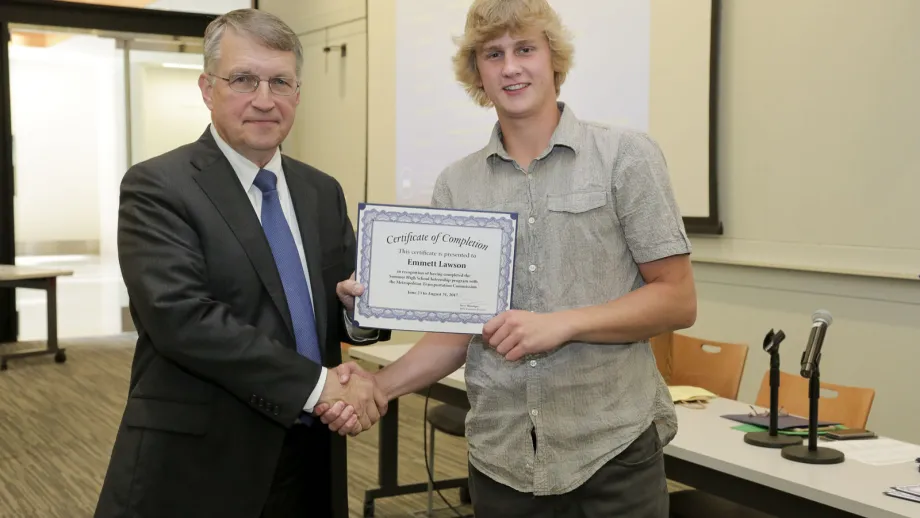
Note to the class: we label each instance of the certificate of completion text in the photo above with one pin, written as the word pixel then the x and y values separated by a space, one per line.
pixel 435 270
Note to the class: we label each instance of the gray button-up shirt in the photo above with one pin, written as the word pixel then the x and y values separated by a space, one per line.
pixel 593 205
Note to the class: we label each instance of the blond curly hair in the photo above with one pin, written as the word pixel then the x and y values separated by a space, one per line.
pixel 490 19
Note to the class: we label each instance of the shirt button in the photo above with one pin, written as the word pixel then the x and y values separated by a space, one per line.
pixel 533 363
pixel 534 412
pixel 531 220
pixel 532 268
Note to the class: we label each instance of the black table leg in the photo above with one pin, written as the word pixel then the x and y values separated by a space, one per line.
pixel 388 458
pixel 388 469
pixel 59 355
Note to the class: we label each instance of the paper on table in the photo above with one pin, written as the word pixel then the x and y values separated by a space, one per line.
pixel 790 431
pixel 687 393
pixel 878 452
pixel 901 494
pixel 911 490
pixel 783 422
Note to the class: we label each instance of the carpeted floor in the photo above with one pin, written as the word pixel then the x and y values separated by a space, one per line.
pixel 58 422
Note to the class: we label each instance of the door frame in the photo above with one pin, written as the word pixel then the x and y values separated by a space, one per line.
pixel 71 15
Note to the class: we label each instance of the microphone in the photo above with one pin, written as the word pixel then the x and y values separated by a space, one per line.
pixel 821 320
pixel 772 340
pixel 812 453
pixel 771 438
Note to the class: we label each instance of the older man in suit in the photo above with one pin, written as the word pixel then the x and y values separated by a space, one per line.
pixel 238 261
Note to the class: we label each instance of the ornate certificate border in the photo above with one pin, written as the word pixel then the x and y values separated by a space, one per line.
pixel 369 214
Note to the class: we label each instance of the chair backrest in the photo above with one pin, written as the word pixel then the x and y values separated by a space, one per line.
pixel 714 366
pixel 850 406
pixel 661 346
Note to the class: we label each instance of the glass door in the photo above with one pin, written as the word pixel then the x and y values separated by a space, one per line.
pixel 85 106
pixel 41 35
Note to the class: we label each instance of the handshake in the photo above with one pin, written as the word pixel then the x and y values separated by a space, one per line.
pixel 351 401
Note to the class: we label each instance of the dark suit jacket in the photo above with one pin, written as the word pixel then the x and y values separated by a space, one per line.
pixel 216 379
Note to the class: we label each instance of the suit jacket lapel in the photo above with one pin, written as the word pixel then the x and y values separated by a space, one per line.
pixel 220 183
pixel 304 198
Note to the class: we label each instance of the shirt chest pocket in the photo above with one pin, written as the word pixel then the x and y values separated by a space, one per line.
pixel 576 202
pixel 578 219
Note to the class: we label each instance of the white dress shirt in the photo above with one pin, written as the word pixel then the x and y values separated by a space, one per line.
pixel 246 171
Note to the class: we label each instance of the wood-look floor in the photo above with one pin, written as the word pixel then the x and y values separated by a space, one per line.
pixel 58 422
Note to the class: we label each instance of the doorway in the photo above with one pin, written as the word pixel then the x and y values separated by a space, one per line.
pixel 86 91
pixel 85 106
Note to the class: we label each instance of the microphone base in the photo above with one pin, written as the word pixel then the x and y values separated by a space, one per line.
pixel 765 440
pixel 820 455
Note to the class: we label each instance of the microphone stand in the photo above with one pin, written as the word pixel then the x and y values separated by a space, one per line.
pixel 771 438
pixel 812 453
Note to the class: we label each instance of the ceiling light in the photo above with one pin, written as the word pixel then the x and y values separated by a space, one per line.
pixel 183 65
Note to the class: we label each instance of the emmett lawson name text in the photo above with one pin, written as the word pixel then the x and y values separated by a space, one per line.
pixel 437 264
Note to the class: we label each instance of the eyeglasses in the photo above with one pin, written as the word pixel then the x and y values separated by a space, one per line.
pixel 766 413
pixel 248 83
pixel 696 404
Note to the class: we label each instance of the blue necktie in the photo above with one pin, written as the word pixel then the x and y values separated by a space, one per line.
pixel 281 241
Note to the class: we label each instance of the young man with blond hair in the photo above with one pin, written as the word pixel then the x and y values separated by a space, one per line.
pixel 568 411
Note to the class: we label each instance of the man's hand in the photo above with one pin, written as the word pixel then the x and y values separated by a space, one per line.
pixel 346 370
pixel 340 416
pixel 345 420
pixel 517 333
pixel 347 290
pixel 359 395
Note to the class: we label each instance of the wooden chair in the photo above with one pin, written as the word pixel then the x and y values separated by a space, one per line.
pixel 661 347
pixel 850 406
pixel 714 366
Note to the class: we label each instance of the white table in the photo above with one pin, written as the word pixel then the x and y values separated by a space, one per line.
pixel 708 455
pixel 12 276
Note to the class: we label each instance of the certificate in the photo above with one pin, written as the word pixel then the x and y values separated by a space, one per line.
pixel 426 269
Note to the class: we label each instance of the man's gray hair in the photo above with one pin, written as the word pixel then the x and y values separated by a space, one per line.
pixel 265 27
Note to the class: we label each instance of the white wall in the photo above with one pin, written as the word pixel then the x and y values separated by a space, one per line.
pixel 331 123
pixel 874 339
pixel 315 15
pixel 818 136
pixel 329 132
